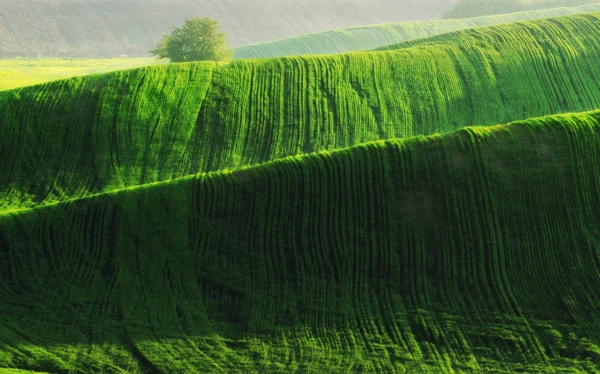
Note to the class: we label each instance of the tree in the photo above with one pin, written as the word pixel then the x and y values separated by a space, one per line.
pixel 198 39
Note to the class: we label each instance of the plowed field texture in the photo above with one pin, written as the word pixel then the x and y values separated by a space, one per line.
pixel 433 207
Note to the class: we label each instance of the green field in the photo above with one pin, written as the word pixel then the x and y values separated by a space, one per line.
pixel 375 36
pixel 17 73
pixel 158 123
pixel 430 208
pixel 438 254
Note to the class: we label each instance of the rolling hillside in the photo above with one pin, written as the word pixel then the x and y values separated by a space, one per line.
pixel 365 38
pixel 311 214
pixel 83 136
pixel 16 73
pixel 109 28
pixel 475 251
pixel 468 39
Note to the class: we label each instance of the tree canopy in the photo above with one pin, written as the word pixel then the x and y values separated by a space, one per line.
pixel 198 39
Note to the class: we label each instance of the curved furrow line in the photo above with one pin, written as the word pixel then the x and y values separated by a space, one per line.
pixel 79 137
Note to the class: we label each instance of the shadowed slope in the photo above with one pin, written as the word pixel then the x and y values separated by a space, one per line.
pixel 77 137
pixel 472 251
pixel 371 37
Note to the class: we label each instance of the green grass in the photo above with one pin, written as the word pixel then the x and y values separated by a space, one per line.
pixel 264 216
pixel 475 251
pixel 18 73
pixel 469 39
pixel 76 137
pixel 375 36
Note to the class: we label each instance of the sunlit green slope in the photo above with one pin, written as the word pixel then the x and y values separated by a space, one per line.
pixel 375 36
pixel 468 252
pixel 17 73
pixel 87 135
pixel 477 38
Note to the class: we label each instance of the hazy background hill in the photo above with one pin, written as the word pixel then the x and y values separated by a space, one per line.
pixel 370 37
pixel 102 28
pixel 476 8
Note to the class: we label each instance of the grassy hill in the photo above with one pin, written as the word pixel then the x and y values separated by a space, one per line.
pixel 109 28
pixel 468 38
pixel 264 216
pixel 82 136
pixel 475 251
pixel 15 73
pixel 371 37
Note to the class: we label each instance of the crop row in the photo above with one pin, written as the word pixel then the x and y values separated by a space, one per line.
pixel 87 135
pixel 472 251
